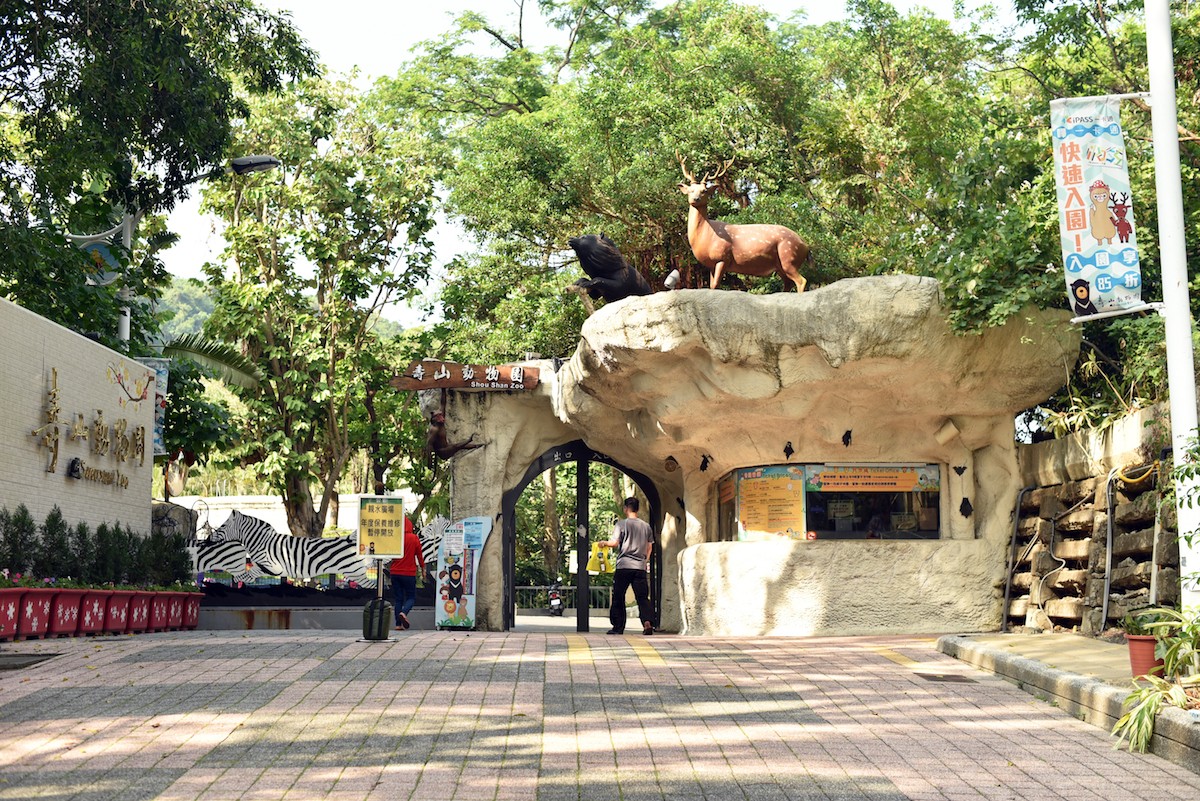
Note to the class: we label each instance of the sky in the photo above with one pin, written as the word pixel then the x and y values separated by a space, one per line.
pixel 377 36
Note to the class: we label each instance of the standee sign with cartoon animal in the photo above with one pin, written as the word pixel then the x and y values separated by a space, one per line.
pixel 1099 241
pixel 458 572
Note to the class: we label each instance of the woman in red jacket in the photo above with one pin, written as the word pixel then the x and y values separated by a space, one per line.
pixel 404 575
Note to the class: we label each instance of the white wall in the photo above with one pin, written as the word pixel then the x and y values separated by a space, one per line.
pixel 93 383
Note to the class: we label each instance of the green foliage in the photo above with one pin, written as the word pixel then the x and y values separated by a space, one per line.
pixel 111 106
pixel 891 142
pixel 1178 646
pixel 184 306
pixel 19 539
pixel 193 424
pixel 77 556
pixel 54 550
pixel 83 554
pixel 1139 622
pixel 314 254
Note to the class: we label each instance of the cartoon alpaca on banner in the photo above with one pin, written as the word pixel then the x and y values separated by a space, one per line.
pixel 1103 229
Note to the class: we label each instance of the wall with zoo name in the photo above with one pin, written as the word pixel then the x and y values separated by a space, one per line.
pixel 77 425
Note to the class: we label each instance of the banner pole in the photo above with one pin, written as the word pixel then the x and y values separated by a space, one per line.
pixel 1181 379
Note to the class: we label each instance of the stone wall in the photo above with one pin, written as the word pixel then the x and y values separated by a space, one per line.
pixel 848 587
pixel 1063 574
pixel 99 391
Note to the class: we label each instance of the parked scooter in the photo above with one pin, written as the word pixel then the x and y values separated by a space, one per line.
pixel 556 603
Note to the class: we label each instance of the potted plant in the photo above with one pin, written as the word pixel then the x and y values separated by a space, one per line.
pixel 1142 642
pixel 10 604
pixel 116 613
pixel 64 608
pixel 91 611
pixel 1178 685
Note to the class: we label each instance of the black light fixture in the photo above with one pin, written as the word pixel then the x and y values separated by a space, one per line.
pixel 244 165
pixel 788 450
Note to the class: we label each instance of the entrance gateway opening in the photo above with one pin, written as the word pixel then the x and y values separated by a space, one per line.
pixel 583 456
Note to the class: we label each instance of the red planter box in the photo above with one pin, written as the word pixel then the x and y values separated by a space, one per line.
pixel 10 609
pixel 139 612
pixel 91 611
pixel 160 607
pixel 116 613
pixel 64 612
pixel 33 617
pixel 176 602
pixel 191 610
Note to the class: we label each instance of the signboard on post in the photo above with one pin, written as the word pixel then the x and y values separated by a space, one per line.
pixel 431 374
pixel 1095 204
pixel 380 527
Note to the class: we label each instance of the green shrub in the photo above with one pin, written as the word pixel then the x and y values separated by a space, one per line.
pixel 54 548
pixel 20 541
pixel 83 553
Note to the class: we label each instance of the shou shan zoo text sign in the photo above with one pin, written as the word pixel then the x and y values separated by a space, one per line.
pixel 430 374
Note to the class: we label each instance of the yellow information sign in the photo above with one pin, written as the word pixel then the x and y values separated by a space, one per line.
pixel 381 527
pixel 771 502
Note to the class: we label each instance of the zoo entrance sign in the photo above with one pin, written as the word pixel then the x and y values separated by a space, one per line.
pixel 432 374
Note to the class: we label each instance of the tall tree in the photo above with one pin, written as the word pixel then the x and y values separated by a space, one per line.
pixel 313 255
pixel 107 106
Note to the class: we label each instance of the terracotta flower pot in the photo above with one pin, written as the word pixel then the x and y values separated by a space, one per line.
pixel 34 613
pixel 10 605
pixel 64 612
pixel 139 612
pixel 1141 654
pixel 191 610
pixel 116 613
pixel 91 611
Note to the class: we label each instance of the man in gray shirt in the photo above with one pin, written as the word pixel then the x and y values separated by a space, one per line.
pixel 633 540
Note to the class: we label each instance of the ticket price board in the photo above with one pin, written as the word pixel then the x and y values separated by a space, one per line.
pixel 380 527
pixel 867 478
pixel 771 502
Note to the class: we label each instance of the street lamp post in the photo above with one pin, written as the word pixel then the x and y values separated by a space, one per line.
pixel 242 165
pixel 1177 312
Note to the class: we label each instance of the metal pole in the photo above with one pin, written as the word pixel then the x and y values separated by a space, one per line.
pixel 1181 379
pixel 583 546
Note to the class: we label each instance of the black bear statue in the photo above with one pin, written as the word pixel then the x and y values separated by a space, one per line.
pixel 609 275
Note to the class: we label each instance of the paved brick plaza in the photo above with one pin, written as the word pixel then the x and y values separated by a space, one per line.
pixel 429 715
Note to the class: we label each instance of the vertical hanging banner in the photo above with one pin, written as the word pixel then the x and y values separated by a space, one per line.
pixel 1095 205
pixel 458 569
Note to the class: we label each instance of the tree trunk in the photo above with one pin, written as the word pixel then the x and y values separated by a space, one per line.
pixel 303 519
pixel 551 532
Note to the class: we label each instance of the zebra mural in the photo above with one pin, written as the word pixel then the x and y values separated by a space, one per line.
pixel 253 547
pixel 293 557
pixel 431 538
pixel 229 557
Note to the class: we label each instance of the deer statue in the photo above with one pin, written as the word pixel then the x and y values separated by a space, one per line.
pixel 744 249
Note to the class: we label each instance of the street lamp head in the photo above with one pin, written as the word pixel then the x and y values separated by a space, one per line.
pixel 244 165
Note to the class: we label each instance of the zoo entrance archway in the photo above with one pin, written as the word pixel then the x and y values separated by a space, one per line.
pixel 579 453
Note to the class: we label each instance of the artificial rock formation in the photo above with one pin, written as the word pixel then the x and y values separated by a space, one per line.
pixel 864 371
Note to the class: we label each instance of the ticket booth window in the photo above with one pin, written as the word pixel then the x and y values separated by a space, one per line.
pixel 824 501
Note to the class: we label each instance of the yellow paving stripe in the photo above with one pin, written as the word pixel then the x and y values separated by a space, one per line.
pixel 578 650
pixel 898 658
pixel 645 651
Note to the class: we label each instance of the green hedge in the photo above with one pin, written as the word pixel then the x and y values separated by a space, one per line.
pixel 112 554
